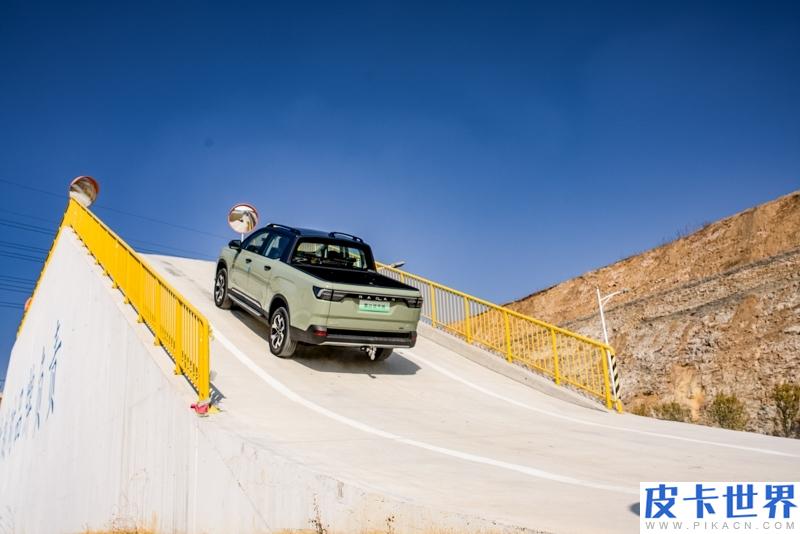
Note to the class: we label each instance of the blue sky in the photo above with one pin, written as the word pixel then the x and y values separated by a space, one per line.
pixel 497 147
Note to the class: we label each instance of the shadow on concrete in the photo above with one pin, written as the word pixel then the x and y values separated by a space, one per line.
pixel 333 359
pixel 634 508
pixel 257 327
pixel 347 360
pixel 216 396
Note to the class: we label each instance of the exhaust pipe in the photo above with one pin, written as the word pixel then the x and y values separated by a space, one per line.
pixel 372 351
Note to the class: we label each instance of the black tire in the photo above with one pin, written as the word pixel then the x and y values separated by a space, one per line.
pixel 221 298
pixel 382 354
pixel 281 343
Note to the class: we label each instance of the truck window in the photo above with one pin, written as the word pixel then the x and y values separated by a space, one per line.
pixel 276 246
pixel 326 254
pixel 254 241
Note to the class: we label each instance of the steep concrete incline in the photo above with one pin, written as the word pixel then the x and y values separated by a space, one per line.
pixel 433 427
pixel 426 439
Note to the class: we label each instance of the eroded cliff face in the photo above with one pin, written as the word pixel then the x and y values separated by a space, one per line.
pixel 717 311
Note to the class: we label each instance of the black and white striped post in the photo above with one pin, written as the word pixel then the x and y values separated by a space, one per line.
pixel 613 370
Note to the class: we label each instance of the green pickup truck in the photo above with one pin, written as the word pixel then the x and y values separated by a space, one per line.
pixel 317 288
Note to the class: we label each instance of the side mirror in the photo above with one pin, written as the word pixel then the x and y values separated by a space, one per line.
pixel 235 244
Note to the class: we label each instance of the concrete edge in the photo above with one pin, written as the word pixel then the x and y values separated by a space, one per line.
pixel 498 364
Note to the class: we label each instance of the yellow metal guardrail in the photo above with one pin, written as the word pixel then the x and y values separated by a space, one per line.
pixel 177 325
pixel 567 357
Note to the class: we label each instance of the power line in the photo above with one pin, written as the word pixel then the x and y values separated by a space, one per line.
pixel 19 285
pixel 166 253
pixel 17 290
pixel 29 216
pixel 22 246
pixel 41 230
pixel 115 210
pixel 26 227
pixel 21 257
pixel 29 188
pixel 14 290
pixel 166 248
pixel 158 221
pixel 10 222
pixel 17 278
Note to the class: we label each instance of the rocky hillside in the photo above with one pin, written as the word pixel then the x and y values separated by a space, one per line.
pixel 717 311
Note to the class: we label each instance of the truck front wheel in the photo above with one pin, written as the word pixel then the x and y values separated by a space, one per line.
pixel 221 298
pixel 281 343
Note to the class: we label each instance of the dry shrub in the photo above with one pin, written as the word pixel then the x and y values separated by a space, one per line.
pixel 727 411
pixel 787 402
pixel 672 411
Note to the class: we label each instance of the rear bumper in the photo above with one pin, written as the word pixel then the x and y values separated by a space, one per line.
pixel 320 335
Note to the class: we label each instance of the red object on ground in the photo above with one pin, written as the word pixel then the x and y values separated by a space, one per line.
pixel 200 408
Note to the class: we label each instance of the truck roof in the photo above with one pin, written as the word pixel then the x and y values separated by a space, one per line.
pixel 308 232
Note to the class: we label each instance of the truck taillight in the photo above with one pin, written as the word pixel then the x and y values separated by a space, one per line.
pixel 319 331
pixel 329 294
pixel 414 302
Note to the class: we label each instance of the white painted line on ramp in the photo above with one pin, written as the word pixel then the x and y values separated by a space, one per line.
pixel 291 395
pixel 424 361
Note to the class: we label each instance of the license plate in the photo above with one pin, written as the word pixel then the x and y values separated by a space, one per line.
pixel 372 306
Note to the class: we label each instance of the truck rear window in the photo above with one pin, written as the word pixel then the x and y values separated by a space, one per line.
pixel 330 255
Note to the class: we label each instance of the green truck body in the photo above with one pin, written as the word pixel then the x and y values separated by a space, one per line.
pixel 317 288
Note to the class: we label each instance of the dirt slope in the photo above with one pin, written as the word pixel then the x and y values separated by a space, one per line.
pixel 715 311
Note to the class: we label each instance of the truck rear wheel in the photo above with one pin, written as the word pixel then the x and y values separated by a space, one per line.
pixel 281 343
pixel 382 354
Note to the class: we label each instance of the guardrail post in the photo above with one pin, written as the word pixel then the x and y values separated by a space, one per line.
pixel 140 305
pixel 178 336
pixel 138 294
pixel 432 290
pixel 604 359
pixel 203 364
pixel 93 245
pixel 115 263
pixel 96 245
pixel 556 370
pixel 467 326
pixel 507 323
pixel 127 277
pixel 157 318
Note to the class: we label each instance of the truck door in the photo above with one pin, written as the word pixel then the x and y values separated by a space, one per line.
pixel 242 263
pixel 262 267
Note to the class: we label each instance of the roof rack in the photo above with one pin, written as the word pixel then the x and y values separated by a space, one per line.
pixel 351 236
pixel 293 230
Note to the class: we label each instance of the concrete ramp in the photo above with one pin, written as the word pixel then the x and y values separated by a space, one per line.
pixel 97 432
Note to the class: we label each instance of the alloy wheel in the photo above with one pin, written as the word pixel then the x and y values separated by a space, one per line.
pixel 219 288
pixel 277 331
